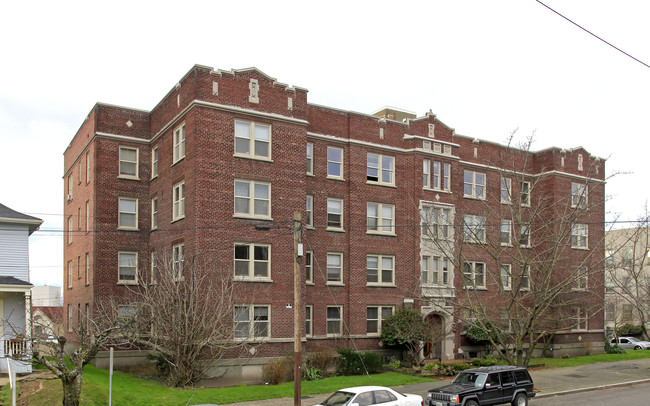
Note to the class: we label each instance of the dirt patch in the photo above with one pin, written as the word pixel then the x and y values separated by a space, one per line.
pixel 30 384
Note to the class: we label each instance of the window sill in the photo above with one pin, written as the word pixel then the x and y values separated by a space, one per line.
pixel 436 190
pixel 128 229
pixel 504 244
pixel 337 178
pixel 309 283
pixel 380 285
pixel 178 219
pixel 482 288
pixel 127 283
pixel 252 279
pixel 178 160
pixel 474 198
pixel 372 232
pixel 335 230
pixel 254 158
pixel 580 248
pixel 311 174
pixel 335 284
pixel 389 185
pixel 154 177
pixel 251 217
pixel 128 177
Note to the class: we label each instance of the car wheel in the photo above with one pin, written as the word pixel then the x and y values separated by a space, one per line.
pixel 520 400
pixel 471 403
pixel 637 347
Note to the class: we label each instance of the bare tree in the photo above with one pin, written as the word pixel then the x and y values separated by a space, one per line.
pixel 628 276
pixel 184 315
pixel 530 258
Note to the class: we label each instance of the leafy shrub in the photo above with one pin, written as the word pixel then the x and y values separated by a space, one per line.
pixel 396 365
pixel 278 370
pixel 321 358
pixel 481 333
pixel 630 330
pixel 488 361
pixel 460 366
pixel 440 370
pixel 613 349
pixel 351 362
pixel 312 374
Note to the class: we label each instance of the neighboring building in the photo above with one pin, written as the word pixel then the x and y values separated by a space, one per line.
pixel 227 151
pixel 627 281
pixel 49 296
pixel 47 326
pixel 15 229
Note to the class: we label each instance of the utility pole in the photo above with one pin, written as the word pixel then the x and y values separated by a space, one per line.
pixel 297 308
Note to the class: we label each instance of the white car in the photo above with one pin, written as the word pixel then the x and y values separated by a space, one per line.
pixel 631 343
pixel 371 395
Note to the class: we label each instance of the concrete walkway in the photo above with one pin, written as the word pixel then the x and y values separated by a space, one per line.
pixel 548 381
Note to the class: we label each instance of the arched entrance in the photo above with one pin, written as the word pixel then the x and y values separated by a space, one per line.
pixel 437 331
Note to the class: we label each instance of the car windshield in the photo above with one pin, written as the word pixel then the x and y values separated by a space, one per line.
pixel 338 399
pixel 470 379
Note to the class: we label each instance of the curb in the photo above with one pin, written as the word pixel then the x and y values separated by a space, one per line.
pixel 592 388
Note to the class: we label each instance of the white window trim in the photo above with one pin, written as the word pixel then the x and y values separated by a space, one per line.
pixel 178 143
pixel 527 228
pixel 87 167
pixel 509 243
pixel 428 216
pixel 309 332
pixel 582 281
pixel 310 158
pixel 341 164
pixel 472 230
pixel 380 219
pixel 575 231
pixel 443 175
pixel 309 211
pixel 70 187
pixel 578 320
pixel 333 228
pixel 120 175
pixel 473 277
pixel 509 276
pixel 526 272
pixel 87 216
pixel 155 156
pixel 251 322
pixel 340 320
pixel 154 268
pixel 70 271
pixel 379 319
pixel 380 281
pixel 309 267
pixel 154 213
pixel 474 195
pixel 251 200
pixel 429 260
pixel 178 262
pixel 70 226
pixel 87 272
pixel 119 214
pixel 525 203
pixel 251 141
pixel 579 195
pixel 507 182
pixel 251 263
pixel 180 202
pixel 381 170
pixel 135 271
pixel 338 282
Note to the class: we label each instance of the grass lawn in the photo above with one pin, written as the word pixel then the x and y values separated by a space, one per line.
pixel 128 390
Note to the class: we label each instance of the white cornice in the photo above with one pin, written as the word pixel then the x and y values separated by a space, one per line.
pixel 543 173
pixel 419 137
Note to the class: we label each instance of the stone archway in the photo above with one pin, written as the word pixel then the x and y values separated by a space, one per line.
pixel 433 349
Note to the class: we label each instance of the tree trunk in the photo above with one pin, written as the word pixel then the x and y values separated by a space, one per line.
pixel 72 390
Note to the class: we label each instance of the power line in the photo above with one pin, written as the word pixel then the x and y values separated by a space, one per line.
pixel 596 36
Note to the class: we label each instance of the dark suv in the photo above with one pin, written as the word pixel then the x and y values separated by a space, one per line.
pixel 485 386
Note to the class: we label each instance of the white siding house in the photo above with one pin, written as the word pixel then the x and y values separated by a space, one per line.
pixel 15 229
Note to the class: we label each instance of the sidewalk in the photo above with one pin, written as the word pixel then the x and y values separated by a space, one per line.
pixel 548 381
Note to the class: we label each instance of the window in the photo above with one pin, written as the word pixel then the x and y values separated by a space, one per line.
pixel 578 195
pixel 125 310
pixel 506 232
pixel 178 211
pixel 334 320
pixel 380 270
pixel 435 270
pixel 580 319
pixel 309 320
pixel 87 216
pixel 474 229
pixel 128 163
pixel 524 235
pixel 579 234
pixel 252 140
pixel 252 261
pixel 380 218
pixel 610 310
pixel 525 193
pixel 128 213
pixel 154 267
pixel 436 222
pixel 581 281
pixel 70 187
pixel 309 267
pixel 474 185
pixel 335 268
pixel 127 267
pixel 87 167
pixel 178 261
pixel 506 276
pixel 436 175
pixel 252 199
pixel 154 213
pixel 627 312
pixel 334 162
pixel 154 162
pixel 70 230
pixel 506 190
pixel 334 214
pixel 309 220
pixel 380 169
pixel 310 158
pixel 524 281
pixel 252 321
pixel 179 143
pixel 69 274
pixel 87 275
pixel 474 275
pixel 375 315
pixel 70 318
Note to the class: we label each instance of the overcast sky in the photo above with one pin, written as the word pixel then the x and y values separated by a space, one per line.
pixel 484 68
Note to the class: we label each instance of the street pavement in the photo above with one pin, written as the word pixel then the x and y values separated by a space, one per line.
pixel 548 381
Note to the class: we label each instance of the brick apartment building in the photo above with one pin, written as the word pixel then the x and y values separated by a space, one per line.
pixel 227 151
